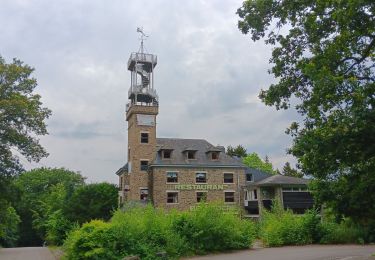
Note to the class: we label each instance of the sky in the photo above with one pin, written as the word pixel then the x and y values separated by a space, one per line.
pixel 208 77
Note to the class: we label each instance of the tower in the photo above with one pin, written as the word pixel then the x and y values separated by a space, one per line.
pixel 141 114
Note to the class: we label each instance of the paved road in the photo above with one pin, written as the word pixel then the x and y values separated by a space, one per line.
pixel 26 253
pixel 312 252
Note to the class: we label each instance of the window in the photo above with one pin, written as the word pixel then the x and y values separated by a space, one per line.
pixel 191 155
pixel 201 196
pixel 144 194
pixel 144 138
pixel 228 177
pixel 249 177
pixel 121 183
pixel 172 197
pixel 144 165
pixel 172 177
pixel 200 177
pixel 229 196
pixel 215 156
pixel 167 154
pixel 251 195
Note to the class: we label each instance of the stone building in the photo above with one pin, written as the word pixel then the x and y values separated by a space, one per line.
pixel 179 173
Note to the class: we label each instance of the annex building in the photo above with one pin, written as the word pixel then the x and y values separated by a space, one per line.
pixel 179 173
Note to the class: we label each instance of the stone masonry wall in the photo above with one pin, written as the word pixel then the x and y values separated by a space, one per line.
pixel 186 176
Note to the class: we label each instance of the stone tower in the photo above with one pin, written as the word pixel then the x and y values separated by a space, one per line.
pixel 141 114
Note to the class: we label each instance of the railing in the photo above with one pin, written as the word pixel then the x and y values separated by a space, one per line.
pixel 142 57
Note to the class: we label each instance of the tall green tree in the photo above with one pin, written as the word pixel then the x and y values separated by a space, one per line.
pixel 43 192
pixel 254 161
pixel 289 171
pixel 22 117
pixel 323 60
pixel 238 151
pixel 92 201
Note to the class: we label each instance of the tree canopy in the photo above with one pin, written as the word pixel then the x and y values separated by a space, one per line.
pixel 92 201
pixel 238 151
pixel 21 116
pixel 289 171
pixel 323 60
pixel 254 161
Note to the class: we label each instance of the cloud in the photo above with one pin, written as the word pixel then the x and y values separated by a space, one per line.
pixel 208 76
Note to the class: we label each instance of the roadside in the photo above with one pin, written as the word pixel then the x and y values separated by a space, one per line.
pixel 29 253
pixel 310 252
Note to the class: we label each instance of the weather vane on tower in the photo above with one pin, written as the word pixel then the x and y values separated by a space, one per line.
pixel 143 37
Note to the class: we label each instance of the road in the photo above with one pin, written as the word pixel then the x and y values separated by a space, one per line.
pixel 311 252
pixel 26 253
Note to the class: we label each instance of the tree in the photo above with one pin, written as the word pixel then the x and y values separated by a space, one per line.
pixel 238 151
pixel 92 201
pixel 254 161
pixel 289 171
pixel 43 192
pixel 323 60
pixel 21 116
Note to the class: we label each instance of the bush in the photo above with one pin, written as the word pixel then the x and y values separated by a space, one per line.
pixel 211 228
pixel 342 233
pixel 280 227
pixel 145 231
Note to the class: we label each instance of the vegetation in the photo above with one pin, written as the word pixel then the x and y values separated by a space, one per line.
pixel 254 161
pixel 324 59
pixel 238 151
pixel 280 227
pixel 289 171
pixel 92 201
pixel 21 121
pixel 145 231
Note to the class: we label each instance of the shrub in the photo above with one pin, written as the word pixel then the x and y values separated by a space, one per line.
pixel 211 228
pixel 144 231
pixel 341 233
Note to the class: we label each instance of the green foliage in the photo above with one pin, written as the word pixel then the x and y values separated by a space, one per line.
pixel 145 231
pixel 238 151
pixel 57 226
pixel 324 58
pixel 92 201
pixel 289 171
pixel 21 118
pixel 280 227
pixel 9 221
pixel 43 192
pixel 254 161
pixel 210 228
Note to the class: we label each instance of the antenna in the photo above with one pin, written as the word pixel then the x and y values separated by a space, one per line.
pixel 143 36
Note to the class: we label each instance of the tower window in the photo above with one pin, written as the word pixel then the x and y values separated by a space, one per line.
pixel 144 165
pixel 144 194
pixel 144 138
pixel 191 155
pixel 200 177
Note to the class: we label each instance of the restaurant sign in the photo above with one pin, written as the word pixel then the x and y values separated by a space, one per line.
pixel 199 186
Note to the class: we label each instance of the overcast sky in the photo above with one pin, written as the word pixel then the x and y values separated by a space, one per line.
pixel 208 76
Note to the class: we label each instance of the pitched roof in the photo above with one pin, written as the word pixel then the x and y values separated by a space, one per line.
pixel 258 175
pixel 123 169
pixel 202 158
pixel 281 180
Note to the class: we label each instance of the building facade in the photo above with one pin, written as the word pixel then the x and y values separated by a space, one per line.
pixel 179 173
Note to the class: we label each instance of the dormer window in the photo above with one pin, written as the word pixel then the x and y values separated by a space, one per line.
pixel 191 155
pixel 166 154
pixel 214 156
